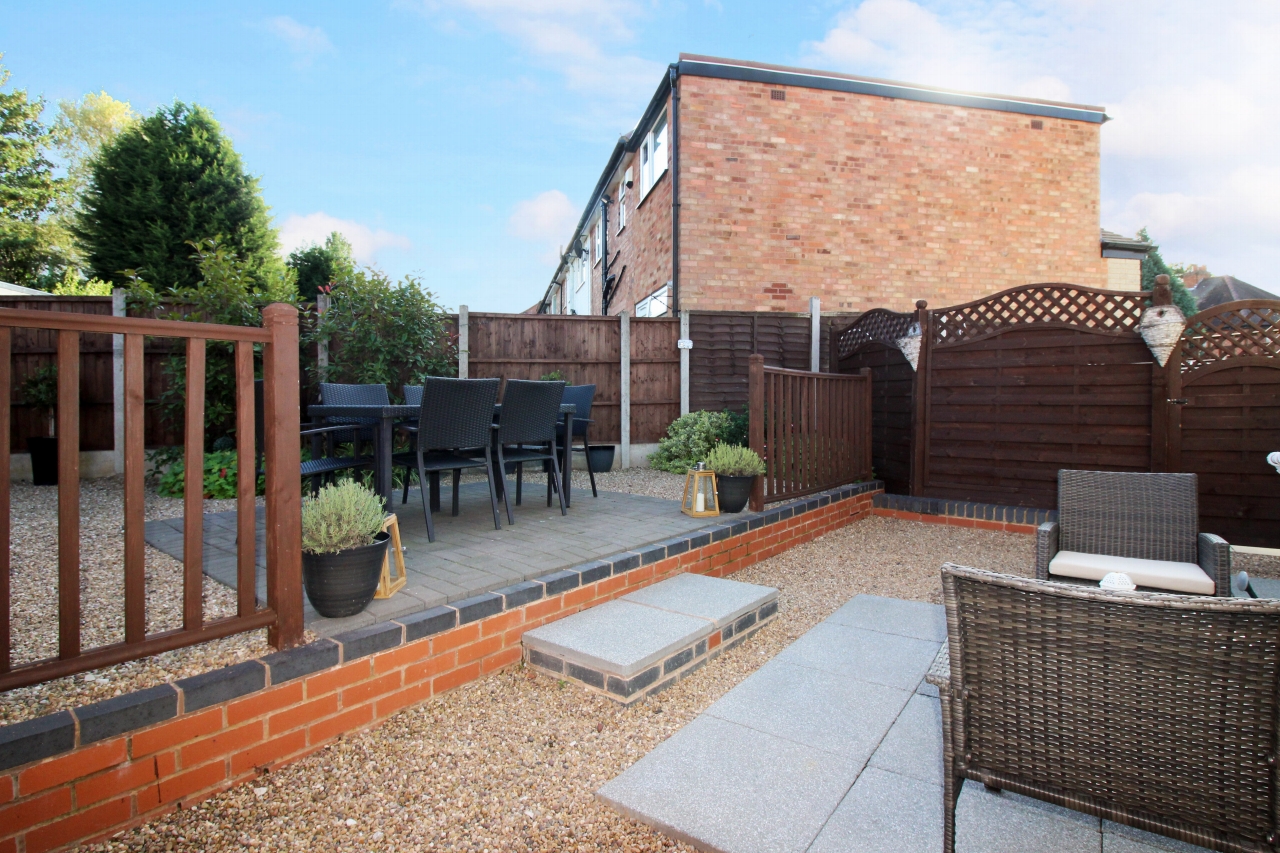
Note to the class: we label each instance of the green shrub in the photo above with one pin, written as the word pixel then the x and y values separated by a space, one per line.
pixel 40 392
pixel 342 516
pixel 691 437
pixel 729 460
pixel 220 476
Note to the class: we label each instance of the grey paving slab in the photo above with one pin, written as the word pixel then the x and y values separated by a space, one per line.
pixel 917 619
pixel 1118 838
pixel 619 637
pixel 713 599
pixel 913 747
pixel 815 708
pixel 884 813
pixel 727 788
pixel 988 822
pixel 862 654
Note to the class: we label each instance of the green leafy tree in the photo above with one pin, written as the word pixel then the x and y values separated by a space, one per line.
pixel 1154 265
pixel 321 266
pixel 28 187
pixel 166 181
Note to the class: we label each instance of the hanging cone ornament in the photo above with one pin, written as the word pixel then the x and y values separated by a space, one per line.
pixel 1161 327
pixel 910 345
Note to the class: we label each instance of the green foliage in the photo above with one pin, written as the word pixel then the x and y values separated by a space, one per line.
pixel 342 516
pixel 553 376
pixel 28 188
pixel 729 460
pixel 322 266
pixel 690 438
pixel 72 285
pixel 383 332
pixel 40 392
pixel 221 473
pixel 163 182
pixel 736 430
pixel 1154 265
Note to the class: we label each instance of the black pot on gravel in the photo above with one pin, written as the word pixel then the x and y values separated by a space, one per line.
pixel 44 460
pixel 601 458
pixel 343 583
pixel 733 493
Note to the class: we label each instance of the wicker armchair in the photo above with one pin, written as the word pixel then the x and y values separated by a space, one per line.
pixel 527 433
pixel 1153 710
pixel 1145 525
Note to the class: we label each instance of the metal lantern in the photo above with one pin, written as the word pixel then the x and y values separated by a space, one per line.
pixel 910 345
pixel 1161 327
pixel 700 493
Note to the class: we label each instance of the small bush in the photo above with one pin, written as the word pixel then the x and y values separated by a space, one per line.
pixel 730 460
pixel 220 476
pixel 40 392
pixel 342 516
pixel 691 437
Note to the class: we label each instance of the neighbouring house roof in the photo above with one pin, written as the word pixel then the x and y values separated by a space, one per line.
pixel 1225 288
pixel 1118 246
pixel 7 289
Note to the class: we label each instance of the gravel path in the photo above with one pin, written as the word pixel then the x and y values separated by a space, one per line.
pixel 511 762
pixel 35 604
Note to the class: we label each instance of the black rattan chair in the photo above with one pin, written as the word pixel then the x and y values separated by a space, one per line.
pixel 413 397
pixel 581 396
pixel 326 439
pixel 527 433
pixel 454 428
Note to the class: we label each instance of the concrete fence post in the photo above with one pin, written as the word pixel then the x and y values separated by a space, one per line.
pixel 322 346
pixel 624 407
pixel 117 378
pixel 464 342
pixel 815 334
pixel 684 364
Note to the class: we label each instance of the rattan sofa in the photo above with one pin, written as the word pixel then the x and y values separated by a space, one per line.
pixel 1145 525
pixel 1153 710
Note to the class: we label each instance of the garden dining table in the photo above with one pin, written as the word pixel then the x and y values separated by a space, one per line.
pixel 389 416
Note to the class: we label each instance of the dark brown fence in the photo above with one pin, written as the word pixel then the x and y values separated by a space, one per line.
pixel 278 339
pixel 813 430
pixel 1012 388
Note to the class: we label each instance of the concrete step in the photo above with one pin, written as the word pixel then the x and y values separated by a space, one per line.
pixel 644 642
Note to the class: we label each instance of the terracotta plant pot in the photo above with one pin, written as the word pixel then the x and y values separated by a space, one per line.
pixel 44 460
pixel 733 492
pixel 343 584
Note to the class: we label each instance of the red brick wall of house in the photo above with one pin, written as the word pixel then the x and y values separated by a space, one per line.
pixel 875 202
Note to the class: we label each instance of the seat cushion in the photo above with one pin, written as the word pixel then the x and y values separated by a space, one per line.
pixel 1158 574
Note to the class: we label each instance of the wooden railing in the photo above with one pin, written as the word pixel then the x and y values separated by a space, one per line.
pixel 283 614
pixel 813 430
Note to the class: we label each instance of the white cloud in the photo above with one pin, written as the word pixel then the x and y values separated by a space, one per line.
pixel 1190 86
pixel 366 243
pixel 547 218
pixel 306 43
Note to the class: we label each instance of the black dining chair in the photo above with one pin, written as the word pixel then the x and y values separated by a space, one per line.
pixel 413 397
pixel 454 429
pixel 326 440
pixel 581 396
pixel 526 432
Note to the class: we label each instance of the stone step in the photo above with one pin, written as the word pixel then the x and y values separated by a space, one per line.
pixel 644 642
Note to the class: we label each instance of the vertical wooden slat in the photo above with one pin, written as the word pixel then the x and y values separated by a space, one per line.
pixel 246 481
pixel 755 424
pixel 6 390
pixel 68 493
pixel 920 402
pixel 864 425
pixel 193 491
pixel 135 568
pixel 281 415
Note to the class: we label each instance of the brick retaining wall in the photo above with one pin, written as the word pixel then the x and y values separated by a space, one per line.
pixel 1009 519
pixel 82 775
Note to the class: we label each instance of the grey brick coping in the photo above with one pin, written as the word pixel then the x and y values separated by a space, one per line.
pixel 43 737
pixel 965 509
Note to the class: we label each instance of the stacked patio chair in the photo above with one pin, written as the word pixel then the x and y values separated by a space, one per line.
pixel 453 432
pixel 326 439
pixel 527 433
pixel 1144 525
pixel 1153 710
pixel 581 396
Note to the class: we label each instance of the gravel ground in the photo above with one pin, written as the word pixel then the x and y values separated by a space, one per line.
pixel 511 762
pixel 636 481
pixel 35 603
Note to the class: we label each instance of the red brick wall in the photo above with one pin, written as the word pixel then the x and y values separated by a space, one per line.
pixel 875 202
pixel 98 790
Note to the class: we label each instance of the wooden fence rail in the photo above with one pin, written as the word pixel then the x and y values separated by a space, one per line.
pixel 813 430
pixel 278 339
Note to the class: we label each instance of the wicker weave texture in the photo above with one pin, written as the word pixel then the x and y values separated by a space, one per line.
pixel 580 397
pixel 530 410
pixel 457 413
pixel 1159 711
pixel 1128 514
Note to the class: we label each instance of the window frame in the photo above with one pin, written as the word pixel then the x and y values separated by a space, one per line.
pixel 654 150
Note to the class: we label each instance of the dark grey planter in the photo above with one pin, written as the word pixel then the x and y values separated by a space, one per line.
pixel 44 460
pixel 732 493
pixel 343 584
pixel 601 458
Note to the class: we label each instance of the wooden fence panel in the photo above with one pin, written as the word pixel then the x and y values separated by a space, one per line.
pixel 655 378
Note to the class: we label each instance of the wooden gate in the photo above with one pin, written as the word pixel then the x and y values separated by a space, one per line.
pixel 1223 412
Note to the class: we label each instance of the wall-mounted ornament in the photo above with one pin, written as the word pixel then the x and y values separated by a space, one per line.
pixel 1162 323
pixel 910 345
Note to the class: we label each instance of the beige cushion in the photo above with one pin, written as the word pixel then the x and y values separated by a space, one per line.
pixel 1159 574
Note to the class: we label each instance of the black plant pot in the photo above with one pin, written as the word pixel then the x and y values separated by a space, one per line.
pixel 44 460
pixel 343 584
pixel 601 458
pixel 733 492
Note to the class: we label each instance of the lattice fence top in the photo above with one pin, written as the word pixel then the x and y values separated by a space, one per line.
pixel 1040 304
pixel 879 325
pixel 1232 330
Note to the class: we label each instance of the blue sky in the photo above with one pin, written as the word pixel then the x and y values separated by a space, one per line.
pixel 457 139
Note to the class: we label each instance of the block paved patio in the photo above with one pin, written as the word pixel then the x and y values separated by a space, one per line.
pixel 835 746
pixel 469 556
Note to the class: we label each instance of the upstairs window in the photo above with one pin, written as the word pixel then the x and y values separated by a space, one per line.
pixel 622 202
pixel 597 241
pixel 656 304
pixel 653 155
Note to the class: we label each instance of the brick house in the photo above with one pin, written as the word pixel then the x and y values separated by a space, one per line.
pixel 791 183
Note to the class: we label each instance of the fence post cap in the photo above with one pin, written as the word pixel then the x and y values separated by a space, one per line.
pixel 279 312
pixel 921 304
